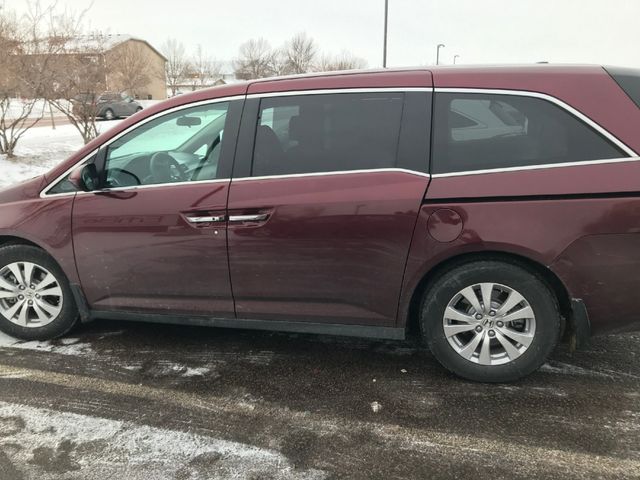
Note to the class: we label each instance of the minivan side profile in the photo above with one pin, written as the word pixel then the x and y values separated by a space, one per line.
pixel 493 211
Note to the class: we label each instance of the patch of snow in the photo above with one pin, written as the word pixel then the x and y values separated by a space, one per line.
pixel 196 372
pixel 40 149
pixel 55 444
pixel 66 346
pixel 568 369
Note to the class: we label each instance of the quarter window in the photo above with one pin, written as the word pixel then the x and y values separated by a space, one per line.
pixel 182 146
pixel 329 132
pixel 484 131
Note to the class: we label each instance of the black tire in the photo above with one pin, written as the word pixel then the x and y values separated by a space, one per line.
pixel 139 109
pixel 108 114
pixel 68 315
pixel 534 289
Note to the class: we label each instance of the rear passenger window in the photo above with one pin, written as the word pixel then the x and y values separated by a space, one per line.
pixel 325 133
pixel 483 131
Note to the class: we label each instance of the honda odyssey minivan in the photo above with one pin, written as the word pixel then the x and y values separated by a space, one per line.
pixel 492 211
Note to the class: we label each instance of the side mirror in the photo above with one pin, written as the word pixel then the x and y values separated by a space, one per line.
pixel 85 178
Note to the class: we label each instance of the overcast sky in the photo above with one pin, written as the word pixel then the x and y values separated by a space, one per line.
pixel 480 31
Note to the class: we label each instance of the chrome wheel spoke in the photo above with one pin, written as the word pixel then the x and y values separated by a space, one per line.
pixel 14 268
pixel 4 294
pixel 46 281
pixel 50 292
pixel 521 314
pixel 514 299
pixel 28 273
pixel 5 285
pixel 450 330
pixel 23 315
pixel 468 351
pixel 522 338
pixel 11 312
pixel 453 314
pixel 470 295
pixel 47 307
pixel 485 350
pixel 512 351
pixel 40 313
pixel 486 289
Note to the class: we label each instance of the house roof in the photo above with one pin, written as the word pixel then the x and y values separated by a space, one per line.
pixel 103 43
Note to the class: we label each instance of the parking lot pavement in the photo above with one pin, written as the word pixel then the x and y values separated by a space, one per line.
pixel 120 400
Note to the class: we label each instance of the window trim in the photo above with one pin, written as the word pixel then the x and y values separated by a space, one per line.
pixel 405 157
pixel 543 96
pixel 237 175
pixel 44 192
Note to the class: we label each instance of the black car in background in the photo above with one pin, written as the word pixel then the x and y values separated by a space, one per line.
pixel 108 105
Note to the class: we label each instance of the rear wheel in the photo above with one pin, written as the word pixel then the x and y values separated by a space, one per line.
pixel 490 321
pixel 36 302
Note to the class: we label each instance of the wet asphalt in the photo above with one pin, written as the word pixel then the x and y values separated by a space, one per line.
pixel 126 400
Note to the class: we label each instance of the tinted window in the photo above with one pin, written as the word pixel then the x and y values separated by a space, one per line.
pixel 324 133
pixel 182 146
pixel 501 131
pixel 629 81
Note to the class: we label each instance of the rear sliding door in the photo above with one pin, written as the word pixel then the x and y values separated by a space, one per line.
pixel 323 204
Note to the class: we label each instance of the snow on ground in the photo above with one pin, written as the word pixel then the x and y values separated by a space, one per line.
pixel 41 148
pixel 64 346
pixel 47 444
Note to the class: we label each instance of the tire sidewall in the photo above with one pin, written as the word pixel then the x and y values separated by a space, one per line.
pixel 67 317
pixel 534 290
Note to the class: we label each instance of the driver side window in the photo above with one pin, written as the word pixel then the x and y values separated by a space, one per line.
pixel 183 146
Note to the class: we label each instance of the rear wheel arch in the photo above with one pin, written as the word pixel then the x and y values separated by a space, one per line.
pixel 552 281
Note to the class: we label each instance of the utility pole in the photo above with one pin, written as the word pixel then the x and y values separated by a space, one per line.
pixel 440 45
pixel 386 19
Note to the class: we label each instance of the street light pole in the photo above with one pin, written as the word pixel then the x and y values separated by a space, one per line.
pixel 440 45
pixel 455 57
pixel 384 48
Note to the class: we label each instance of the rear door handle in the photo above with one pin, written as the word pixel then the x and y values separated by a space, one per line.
pixel 206 219
pixel 258 217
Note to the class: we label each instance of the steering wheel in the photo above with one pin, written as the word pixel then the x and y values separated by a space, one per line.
pixel 165 169
pixel 114 182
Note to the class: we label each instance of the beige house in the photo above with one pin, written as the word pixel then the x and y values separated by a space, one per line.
pixel 112 63
pixel 134 66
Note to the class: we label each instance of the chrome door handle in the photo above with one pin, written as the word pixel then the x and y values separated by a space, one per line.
pixel 259 217
pixel 209 219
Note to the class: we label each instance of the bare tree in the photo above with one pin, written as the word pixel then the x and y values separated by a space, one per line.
pixel 344 61
pixel 76 71
pixel 256 59
pixel 203 70
pixel 177 65
pixel 17 115
pixel 299 54
pixel 130 68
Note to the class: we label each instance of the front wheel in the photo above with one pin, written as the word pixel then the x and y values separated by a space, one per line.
pixel 108 114
pixel 490 321
pixel 36 302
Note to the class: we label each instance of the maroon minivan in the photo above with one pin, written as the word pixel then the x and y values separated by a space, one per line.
pixel 492 211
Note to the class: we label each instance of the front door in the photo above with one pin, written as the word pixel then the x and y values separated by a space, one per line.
pixel 154 240
pixel 321 221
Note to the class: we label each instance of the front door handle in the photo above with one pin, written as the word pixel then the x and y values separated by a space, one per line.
pixel 258 217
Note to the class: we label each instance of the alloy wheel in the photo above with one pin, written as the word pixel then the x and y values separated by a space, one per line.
pixel 30 295
pixel 489 324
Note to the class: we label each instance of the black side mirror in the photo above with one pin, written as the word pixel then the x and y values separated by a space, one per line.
pixel 85 178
